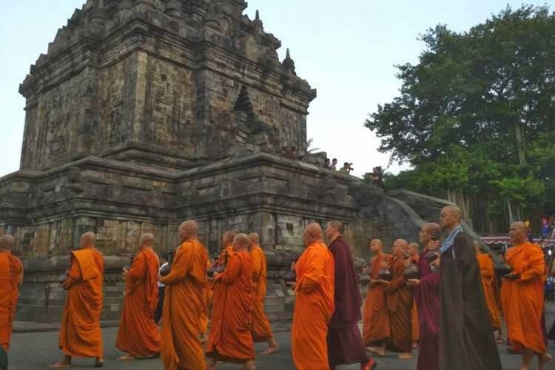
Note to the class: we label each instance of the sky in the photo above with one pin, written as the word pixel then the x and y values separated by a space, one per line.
pixel 346 49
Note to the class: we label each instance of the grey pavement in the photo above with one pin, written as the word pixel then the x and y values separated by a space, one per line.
pixel 33 351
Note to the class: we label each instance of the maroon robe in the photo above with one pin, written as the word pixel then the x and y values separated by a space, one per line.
pixel 551 334
pixel 427 300
pixel 344 339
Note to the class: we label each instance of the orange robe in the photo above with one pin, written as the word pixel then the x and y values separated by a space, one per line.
pixel 314 307
pixel 523 300
pixel 184 308
pixel 376 326
pixel 488 284
pixel 208 300
pixel 11 277
pixel 230 335
pixel 138 334
pixel 80 334
pixel 261 330
pixel 414 324
pixel 399 303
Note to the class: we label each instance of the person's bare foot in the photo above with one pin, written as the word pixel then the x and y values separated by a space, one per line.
pixel 126 358
pixel 64 363
pixel 415 344
pixel 60 365
pixel 271 349
pixel 99 362
pixel 405 356
pixel 544 359
pixel 376 350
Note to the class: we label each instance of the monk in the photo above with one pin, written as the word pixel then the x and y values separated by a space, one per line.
pixel 466 341
pixel 399 303
pixel 314 304
pixel 138 334
pixel 487 272
pixel 11 278
pixel 80 334
pixel 522 297
pixel 227 249
pixel 426 296
pixel 412 251
pixel 183 332
pixel 344 340
pixel 376 328
pixel 261 330
pixel 230 338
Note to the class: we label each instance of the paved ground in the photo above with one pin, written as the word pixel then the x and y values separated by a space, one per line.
pixel 32 351
pixel 36 350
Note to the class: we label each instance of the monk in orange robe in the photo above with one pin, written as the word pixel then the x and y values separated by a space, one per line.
pixel 488 281
pixel 314 304
pixel 230 338
pixel 399 303
pixel 522 295
pixel 80 334
pixel 413 252
pixel 138 335
pixel 376 327
pixel 183 331
pixel 11 278
pixel 261 329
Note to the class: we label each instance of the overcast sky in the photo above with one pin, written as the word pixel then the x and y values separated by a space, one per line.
pixel 346 49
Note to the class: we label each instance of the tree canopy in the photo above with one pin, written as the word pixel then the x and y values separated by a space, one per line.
pixel 477 113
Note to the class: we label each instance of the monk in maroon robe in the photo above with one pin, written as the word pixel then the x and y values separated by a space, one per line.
pixel 344 339
pixel 426 295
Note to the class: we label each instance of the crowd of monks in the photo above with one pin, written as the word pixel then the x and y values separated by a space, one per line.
pixel 214 311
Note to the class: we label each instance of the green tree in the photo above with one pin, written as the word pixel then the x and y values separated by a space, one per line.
pixel 477 113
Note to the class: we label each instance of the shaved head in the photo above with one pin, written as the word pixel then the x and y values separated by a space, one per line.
pixel 451 217
pixel 7 242
pixel 228 237
pixel 427 232
pixel 337 225
pixel 188 230
pixel 518 232
pixel 147 239
pixel 88 240
pixel 376 246
pixel 399 247
pixel 413 249
pixel 241 242
pixel 254 237
pixel 312 233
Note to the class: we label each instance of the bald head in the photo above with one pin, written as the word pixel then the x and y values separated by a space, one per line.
pixel 518 232
pixel 451 217
pixel 376 246
pixel 241 242
pixel 146 240
pixel 254 240
pixel 88 240
pixel 188 230
pixel 399 247
pixel 229 236
pixel 7 242
pixel 427 232
pixel 413 249
pixel 312 234
pixel 334 229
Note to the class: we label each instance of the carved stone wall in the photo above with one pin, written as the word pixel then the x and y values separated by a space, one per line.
pixel 198 80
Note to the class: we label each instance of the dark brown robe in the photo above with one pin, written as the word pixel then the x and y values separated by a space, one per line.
pixel 399 304
pixel 466 340
pixel 344 339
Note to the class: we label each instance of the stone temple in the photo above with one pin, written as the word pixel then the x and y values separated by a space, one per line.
pixel 144 113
